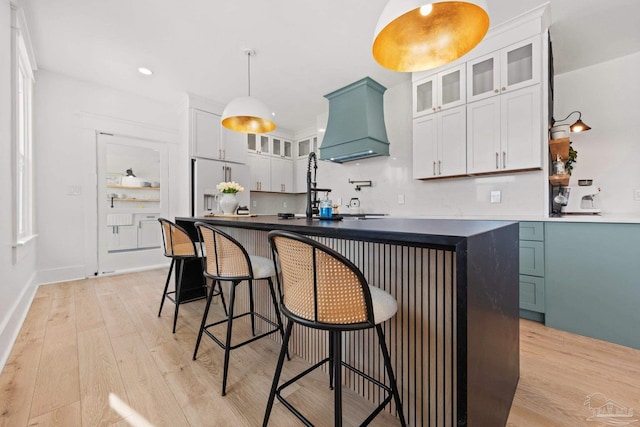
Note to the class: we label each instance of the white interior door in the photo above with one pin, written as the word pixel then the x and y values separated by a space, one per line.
pixel 129 203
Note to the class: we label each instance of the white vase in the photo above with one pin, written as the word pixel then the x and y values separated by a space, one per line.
pixel 228 203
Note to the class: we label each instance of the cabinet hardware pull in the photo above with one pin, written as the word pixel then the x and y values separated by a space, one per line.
pixel 496 90
pixel 504 159
pixel 434 168
pixel 439 167
pixel 497 160
pixel 439 107
pixel 504 88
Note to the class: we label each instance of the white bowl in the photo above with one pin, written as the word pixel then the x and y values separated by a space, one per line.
pixel 560 131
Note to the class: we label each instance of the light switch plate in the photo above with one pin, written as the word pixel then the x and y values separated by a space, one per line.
pixel 636 194
pixel 401 199
pixel 496 196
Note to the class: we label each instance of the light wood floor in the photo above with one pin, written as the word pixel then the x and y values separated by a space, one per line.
pixel 85 340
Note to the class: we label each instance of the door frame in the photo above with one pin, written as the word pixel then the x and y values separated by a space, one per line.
pixel 93 124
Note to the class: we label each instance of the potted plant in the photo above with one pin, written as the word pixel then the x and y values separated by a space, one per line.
pixel 228 201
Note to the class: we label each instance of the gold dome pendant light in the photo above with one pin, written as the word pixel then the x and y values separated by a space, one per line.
pixel 247 114
pixel 414 35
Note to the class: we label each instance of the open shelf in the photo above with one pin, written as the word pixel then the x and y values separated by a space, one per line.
pixel 132 188
pixel 131 199
pixel 559 179
pixel 560 147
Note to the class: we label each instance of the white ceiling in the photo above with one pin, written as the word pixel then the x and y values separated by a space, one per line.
pixel 305 49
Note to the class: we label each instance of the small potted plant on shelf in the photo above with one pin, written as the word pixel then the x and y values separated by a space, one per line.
pixel 573 157
pixel 228 201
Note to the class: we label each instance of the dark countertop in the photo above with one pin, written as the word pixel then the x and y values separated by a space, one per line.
pixel 421 232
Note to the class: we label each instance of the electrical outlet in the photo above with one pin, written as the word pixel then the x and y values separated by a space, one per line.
pixel 284 204
pixel 496 196
pixel 636 194
pixel 255 204
pixel 74 190
pixel 401 199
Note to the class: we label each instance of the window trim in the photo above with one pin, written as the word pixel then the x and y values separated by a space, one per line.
pixel 22 64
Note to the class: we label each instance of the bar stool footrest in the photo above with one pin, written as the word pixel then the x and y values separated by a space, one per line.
pixel 307 371
pixel 250 340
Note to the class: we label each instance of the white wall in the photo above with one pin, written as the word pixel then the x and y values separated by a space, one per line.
pixel 65 156
pixel 523 193
pixel 608 95
pixel 17 265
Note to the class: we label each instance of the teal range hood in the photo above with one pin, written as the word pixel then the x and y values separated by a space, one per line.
pixel 355 129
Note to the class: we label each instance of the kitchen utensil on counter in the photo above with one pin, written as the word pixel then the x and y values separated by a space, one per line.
pixel 581 200
pixel 354 206
pixel 326 207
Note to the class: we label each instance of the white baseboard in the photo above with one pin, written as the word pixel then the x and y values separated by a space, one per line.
pixel 136 269
pixel 11 327
pixel 56 275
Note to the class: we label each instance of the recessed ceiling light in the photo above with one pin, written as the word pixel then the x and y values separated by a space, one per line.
pixel 145 71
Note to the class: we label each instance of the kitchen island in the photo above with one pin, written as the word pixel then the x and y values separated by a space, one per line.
pixel 454 342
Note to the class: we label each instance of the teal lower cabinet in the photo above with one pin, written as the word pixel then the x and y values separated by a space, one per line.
pixel 592 280
pixel 532 271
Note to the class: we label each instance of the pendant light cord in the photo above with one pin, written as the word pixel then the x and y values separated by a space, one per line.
pixel 249 71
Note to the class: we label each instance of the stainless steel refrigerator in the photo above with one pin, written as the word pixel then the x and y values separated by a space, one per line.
pixel 206 174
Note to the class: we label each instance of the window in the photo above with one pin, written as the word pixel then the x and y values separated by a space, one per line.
pixel 22 83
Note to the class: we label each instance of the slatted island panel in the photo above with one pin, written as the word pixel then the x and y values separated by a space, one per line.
pixel 454 341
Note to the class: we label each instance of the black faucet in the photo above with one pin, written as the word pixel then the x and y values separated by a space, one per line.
pixel 312 200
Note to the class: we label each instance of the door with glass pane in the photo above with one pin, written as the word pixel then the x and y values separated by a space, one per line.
pixel 132 195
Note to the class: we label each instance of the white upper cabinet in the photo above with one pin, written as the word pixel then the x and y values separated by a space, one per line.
pixel 281 147
pixel 260 171
pixel 439 144
pixel 281 175
pixel 520 132
pixel 205 134
pixel 233 146
pixel 307 146
pixel 210 140
pixel 503 133
pixel 260 144
pixel 440 91
pixel 506 70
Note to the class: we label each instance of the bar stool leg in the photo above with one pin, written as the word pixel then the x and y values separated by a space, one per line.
pixel 224 305
pixel 392 379
pixel 204 317
pixel 252 308
pixel 166 286
pixel 331 362
pixel 177 294
pixel 278 317
pixel 336 337
pixel 228 340
pixel 276 375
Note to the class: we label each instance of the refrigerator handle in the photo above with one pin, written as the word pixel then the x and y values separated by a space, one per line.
pixel 193 187
pixel 224 173
pixel 229 173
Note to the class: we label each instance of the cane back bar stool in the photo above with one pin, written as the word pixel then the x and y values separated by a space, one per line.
pixel 228 260
pixel 178 246
pixel 324 290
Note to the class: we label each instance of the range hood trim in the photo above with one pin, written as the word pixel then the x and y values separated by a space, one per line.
pixel 355 128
